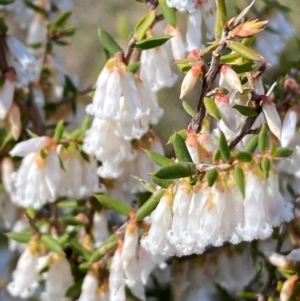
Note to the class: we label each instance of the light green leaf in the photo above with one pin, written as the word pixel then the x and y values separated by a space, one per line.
pixel 188 108
pixel 252 144
pixel 152 42
pixel 144 24
pixel 51 243
pixel 211 177
pixel 114 204
pixel 211 108
pixel 108 42
pixel 239 179
pixel 168 13
pixel 263 138
pixel 181 150
pixel 158 158
pixel 224 148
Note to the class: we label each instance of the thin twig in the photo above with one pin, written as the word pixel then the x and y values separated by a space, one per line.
pixel 32 224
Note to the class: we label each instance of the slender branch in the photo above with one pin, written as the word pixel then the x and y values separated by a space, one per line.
pixel 32 224
pixel 3 62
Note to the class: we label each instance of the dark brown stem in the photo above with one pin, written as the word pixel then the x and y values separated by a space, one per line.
pixel 3 62
pixel 90 211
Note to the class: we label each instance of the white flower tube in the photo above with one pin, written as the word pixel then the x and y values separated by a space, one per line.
pixel 193 33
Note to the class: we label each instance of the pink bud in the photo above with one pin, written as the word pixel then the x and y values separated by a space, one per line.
pixel 272 118
pixel 190 79
pixel 231 78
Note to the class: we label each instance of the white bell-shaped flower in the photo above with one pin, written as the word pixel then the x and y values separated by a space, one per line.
pixel 101 231
pixel 156 71
pixel 89 288
pixel 156 241
pixel 25 276
pixel 58 279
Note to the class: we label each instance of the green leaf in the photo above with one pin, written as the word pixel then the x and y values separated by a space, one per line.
pixel 239 179
pixel 63 18
pixel 221 18
pixel 211 108
pixel 161 182
pixel 150 43
pixel 149 187
pixel 246 111
pixel 245 51
pixel 149 205
pixel 6 2
pixel 51 243
pixel 217 156
pixel 114 204
pixel 229 58
pixel 181 133
pixel 59 131
pixel 168 13
pixel 78 248
pixel 265 166
pixel 244 156
pixel 187 107
pixel 144 24
pixel 22 237
pixel 68 236
pixel 36 8
pixel 224 148
pixel 247 295
pixel 3 26
pixel 211 177
pixel 181 150
pixel 74 290
pixel 108 42
pixel 176 171
pixel 252 144
pixel 282 152
pixel 263 138
pixel 134 67
pixel 158 158
pixel 108 245
pixel 31 212
pixel 245 67
pixel 71 220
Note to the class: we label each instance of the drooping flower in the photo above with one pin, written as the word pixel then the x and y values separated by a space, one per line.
pixel 111 154
pixel 90 286
pixel 156 241
pixel 101 231
pixel 37 180
pixel 25 276
pixel 156 71
pixel 177 45
pixel 58 279
pixel 288 129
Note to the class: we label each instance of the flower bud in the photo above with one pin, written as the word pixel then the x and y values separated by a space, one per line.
pixel 288 287
pixel 231 78
pixel 272 117
pixel 279 260
pixel 289 126
pixel 7 94
pixel 249 28
pixel 190 80
pixel 14 119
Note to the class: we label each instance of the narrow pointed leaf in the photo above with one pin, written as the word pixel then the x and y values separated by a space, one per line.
pixel 181 150
pixel 187 107
pixel 51 243
pixel 22 237
pixel 245 51
pixel 224 148
pixel 217 156
pixel 63 18
pixel 79 249
pixel 283 152
pixel 108 245
pixel 181 133
pixel 150 205
pixel 59 131
pixel 74 290
pixel 71 220
pixel 152 42
pixel 168 13
pixel 176 171
pixel 265 166
pixel 229 58
pixel 161 182
pixel 108 42
pixel 246 111
pixel 244 156
pixel 36 8
pixel 211 177
pixel 211 108
pixel 239 179
pixel 114 204
pixel 6 2
pixel 263 138
pixel 158 158
pixel 221 18
pixel 252 144
pixel 149 187
pixel 144 24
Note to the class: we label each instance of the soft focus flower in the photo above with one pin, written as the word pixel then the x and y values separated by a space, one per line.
pixel 101 231
pixel 288 129
pixel 272 118
pixel 25 275
pixel 89 287
pixel 177 45
pixel 156 71
pixel 58 279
